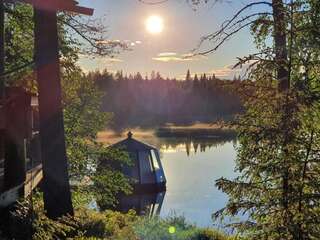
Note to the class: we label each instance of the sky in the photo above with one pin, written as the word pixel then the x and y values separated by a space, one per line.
pixel 164 52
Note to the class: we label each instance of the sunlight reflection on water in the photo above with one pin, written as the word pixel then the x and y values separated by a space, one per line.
pixel 191 179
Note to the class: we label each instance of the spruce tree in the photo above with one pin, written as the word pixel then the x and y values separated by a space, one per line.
pixel 279 134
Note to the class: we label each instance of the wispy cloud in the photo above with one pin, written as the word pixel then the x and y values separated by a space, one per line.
pixel 110 41
pixel 89 63
pixel 117 42
pixel 226 72
pixel 175 57
pixel 230 71
pixel 171 59
pixel 111 60
pixel 132 43
pixel 167 54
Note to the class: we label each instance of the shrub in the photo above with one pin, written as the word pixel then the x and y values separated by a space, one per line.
pixel 28 222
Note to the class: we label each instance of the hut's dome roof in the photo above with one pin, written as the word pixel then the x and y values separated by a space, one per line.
pixel 132 145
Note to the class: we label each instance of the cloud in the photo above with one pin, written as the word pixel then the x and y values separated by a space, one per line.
pixel 112 60
pixel 119 43
pixel 174 57
pixel 132 43
pixel 229 71
pixel 167 54
pixel 88 63
pixel 226 72
pixel 109 42
pixel 171 59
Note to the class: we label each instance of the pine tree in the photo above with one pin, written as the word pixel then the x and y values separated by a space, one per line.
pixel 279 134
pixel 188 76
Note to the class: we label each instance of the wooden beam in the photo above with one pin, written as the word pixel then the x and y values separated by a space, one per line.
pixel 33 178
pixel 57 5
pixel 56 187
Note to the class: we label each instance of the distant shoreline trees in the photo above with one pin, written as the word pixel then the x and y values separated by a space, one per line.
pixel 147 102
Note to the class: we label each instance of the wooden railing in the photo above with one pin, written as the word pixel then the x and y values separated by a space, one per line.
pixel 33 178
pixel 33 175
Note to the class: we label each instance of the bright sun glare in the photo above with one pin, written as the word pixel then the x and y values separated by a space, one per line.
pixel 154 24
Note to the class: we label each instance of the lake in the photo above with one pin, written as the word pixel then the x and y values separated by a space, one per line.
pixel 191 167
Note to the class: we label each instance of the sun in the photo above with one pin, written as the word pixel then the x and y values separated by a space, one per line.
pixel 154 24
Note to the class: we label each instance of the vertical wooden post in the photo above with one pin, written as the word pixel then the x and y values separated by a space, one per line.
pixel 56 187
pixel 16 132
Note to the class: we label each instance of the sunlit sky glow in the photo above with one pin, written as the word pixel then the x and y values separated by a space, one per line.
pixel 154 24
pixel 162 43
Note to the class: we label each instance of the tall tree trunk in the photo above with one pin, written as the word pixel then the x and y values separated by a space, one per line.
pixel 280 41
pixel 283 77
pixel 57 196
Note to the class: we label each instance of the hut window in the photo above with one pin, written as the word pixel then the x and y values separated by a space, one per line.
pixel 154 160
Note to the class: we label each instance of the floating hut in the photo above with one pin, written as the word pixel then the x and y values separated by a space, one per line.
pixel 147 169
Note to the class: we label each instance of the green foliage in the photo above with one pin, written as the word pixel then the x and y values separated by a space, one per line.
pixel 108 184
pixel 31 223
pixel 108 180
pixel 81 98
pixel 83 119
pixel 279 137
pixel 175 228
pixel 19 45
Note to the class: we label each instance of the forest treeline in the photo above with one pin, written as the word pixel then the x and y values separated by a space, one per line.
pixel 152 101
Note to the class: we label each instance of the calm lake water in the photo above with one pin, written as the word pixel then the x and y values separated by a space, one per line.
pixel 191 189
pixel 191 167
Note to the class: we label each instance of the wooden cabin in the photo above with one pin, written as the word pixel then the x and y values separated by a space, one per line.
pixel 14 133
pixel 20 158
pixel 147 170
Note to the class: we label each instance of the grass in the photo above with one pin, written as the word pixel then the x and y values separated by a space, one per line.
pixel 175 228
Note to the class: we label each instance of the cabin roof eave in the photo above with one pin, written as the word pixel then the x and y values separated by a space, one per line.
pixel 132 144
pixel 57 5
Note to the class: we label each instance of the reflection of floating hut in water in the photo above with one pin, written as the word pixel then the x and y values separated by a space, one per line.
pixel 147 169
pixel 146 204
